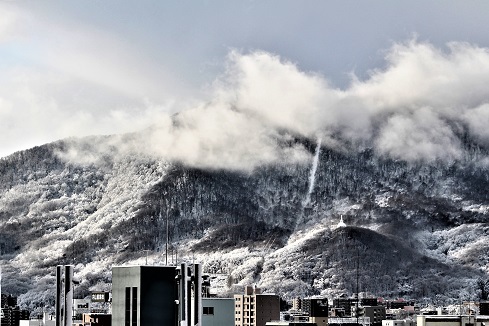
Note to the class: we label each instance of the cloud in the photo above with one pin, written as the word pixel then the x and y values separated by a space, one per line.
pixel 416 108
pixel 9 24
pixel 420 136
pixel 276 92
pixel 64 79
pixel 425 99
pixel 477 121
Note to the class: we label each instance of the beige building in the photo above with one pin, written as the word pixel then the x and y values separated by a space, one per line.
pixel 254 308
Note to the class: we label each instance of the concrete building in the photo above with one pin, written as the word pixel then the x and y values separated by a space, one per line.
pixel 13 315
pixel 364 321
pixel 64 295
pixel 80 307
pixel 317 310
pixel 375 313
pixel 217 311
pixel 404 322
pixel 345 305
pixel 47 320
pixel 289 323
pixel 254 308
pixel 94 319
pixel 144 296
pixel 452 320
pixel 484 308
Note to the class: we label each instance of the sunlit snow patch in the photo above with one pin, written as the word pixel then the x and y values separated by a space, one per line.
pixel 383 200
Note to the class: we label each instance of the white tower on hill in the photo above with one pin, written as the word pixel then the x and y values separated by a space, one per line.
pixel 341 224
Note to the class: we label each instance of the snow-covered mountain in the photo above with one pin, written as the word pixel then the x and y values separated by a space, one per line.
pixel 416 230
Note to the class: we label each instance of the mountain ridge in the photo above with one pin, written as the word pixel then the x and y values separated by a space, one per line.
pixel 254 227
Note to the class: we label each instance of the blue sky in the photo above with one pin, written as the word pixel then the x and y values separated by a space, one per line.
pixel 75 68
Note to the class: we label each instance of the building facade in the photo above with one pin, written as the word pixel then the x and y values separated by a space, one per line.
pixel 376 314
pixel 95 319
pixel 403 322
pixel 452 320
pixel 144 296
pixel 254 308
pixel 317 310
pixel 217 311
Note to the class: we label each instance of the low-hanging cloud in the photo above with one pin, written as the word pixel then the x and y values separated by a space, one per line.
pixel 416 108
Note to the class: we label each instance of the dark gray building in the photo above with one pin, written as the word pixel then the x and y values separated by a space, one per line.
pixel 376 314
pixel 144 296
pixel 317 310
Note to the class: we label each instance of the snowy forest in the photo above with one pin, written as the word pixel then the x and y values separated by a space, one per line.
pixel 413 230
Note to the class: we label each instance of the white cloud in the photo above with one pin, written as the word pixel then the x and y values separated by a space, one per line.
pixel 477 120
pixel 414 109
pixel 9 24
pixel 276 92
pixel 71 80
pixel 420 136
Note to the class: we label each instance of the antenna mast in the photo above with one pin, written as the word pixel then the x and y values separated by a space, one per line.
pixel 166 244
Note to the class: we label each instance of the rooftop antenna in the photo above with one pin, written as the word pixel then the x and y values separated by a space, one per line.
pixel 146 250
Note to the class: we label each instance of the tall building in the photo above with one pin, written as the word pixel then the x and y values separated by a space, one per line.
pixel 345 304
pixel 254 308
pixel 144 296
pixel 375 313
pixel 13 315
pixel 64 295
pixel 317 310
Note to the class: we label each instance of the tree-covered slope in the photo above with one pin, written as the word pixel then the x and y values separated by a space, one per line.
pixel 413 229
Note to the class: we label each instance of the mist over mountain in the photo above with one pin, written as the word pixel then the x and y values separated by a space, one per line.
pixel 253 183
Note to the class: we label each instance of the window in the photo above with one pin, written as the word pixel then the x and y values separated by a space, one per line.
pixel 127 319
pixel 134 306
pixel 208 311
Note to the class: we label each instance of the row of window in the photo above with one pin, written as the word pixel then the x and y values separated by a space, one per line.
pixel 245 320
pixel 246 306
pixel 245 313
pixel 131 306
pixel 246 299
pixel 208 310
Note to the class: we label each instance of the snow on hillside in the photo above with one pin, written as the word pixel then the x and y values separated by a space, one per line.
pixel 415 230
